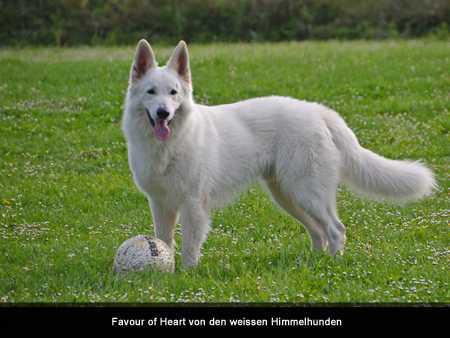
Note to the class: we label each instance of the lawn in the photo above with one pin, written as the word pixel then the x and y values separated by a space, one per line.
pixel 67 199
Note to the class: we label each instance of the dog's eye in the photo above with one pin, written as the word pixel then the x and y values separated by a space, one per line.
pixel 151 91
pixel 173 92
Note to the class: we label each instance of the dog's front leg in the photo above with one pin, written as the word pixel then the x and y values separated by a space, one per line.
pixel 195 222
pixel 164 220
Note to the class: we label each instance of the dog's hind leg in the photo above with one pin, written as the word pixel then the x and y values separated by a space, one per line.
pixel 164 222
pixel 195 226
pixel 317 234
pixel 318 201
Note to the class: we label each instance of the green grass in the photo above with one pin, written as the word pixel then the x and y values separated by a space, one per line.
pixel 67 199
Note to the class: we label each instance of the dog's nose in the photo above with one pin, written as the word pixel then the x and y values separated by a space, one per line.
pixel 162 113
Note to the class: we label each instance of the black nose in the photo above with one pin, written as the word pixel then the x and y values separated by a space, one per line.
pixel 162 113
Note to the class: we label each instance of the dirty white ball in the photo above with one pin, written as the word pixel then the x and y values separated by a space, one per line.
pixel 144 253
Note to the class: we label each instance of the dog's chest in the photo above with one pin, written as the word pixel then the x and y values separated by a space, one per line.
pixel 157 171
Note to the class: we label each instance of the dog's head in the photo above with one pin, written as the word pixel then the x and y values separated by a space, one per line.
pixel 161 93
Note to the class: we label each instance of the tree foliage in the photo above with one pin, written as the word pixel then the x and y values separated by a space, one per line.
pixel 71 22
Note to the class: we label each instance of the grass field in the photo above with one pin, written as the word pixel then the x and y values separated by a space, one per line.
pixel 67 199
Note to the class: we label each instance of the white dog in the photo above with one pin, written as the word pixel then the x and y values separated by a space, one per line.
pixel 189 158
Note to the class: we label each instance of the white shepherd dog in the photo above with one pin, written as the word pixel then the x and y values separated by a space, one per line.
pixel 189 158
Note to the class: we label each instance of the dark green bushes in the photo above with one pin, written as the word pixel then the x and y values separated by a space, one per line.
pixel 72 22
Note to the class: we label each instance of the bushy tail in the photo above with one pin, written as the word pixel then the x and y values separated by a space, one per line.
pixel 376 176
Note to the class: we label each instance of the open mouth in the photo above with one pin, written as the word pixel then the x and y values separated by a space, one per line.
pixel 160 127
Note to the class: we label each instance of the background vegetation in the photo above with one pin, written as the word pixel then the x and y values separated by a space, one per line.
pixel 73 22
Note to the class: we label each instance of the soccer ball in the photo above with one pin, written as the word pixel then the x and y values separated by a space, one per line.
pixel 141 253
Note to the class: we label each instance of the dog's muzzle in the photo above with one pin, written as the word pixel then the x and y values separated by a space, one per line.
pixel 152 121
pixel 160 126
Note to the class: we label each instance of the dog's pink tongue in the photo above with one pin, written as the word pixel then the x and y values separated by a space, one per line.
pixel 162 131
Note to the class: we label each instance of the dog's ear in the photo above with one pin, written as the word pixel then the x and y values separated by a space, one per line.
pixel 143 60
pixel 179 61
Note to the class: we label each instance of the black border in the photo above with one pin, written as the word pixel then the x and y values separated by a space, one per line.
pixel 83 317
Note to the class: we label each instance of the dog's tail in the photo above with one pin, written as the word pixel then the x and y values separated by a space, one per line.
pixel 373 175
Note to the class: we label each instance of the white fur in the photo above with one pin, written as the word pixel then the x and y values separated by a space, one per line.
pixel 299 150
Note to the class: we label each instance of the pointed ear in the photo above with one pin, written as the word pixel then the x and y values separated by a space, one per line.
pixel 179 61
pixel 143 60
